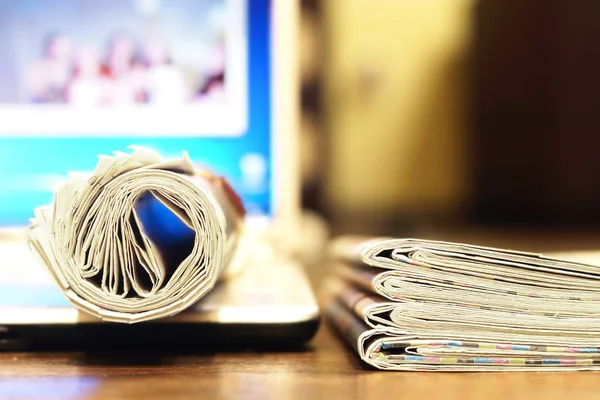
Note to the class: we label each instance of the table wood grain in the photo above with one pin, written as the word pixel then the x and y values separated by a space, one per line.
pixel 325 369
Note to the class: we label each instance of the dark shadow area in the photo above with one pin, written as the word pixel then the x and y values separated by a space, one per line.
pixel 138 341
pixel 147 356
pixel 169 235
pixel 535 113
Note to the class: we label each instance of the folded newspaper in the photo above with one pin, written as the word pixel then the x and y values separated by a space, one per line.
pixel 141 237
pixel 407 304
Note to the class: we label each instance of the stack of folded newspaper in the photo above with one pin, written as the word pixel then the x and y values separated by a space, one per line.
pixel 407 304
pixel 141 237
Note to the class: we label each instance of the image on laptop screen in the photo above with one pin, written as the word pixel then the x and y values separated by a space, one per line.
pixel 80 78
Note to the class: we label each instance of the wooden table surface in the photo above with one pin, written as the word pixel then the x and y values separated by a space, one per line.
pixel 325 369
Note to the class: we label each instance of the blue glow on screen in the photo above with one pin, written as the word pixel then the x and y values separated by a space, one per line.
pixel 28 165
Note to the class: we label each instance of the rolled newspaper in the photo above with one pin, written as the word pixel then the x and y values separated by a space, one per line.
pixel 140 238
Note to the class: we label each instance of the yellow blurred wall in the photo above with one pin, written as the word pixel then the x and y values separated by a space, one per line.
pixel 395 93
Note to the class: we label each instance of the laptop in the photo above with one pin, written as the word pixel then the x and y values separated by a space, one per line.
pixel 215 78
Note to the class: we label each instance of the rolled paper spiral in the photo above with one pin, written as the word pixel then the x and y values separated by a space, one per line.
pixel 141 238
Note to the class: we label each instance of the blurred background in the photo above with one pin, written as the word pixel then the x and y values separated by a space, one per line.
pixel 458 117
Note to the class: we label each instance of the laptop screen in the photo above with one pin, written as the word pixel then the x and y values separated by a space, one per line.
pixel 80 78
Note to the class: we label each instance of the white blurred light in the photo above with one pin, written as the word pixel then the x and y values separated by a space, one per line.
pixel 254 170
pixel 148 8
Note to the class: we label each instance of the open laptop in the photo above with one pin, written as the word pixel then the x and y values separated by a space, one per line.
pixel 213 77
